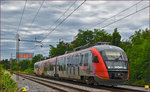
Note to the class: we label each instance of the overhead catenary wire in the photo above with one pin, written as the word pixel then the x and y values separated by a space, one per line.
pixel 21 16
pixel 119 13
pixel 61 16
pixel 125 16
pixel 56 20
pixel 63 20
pixel 36 14
pixel 30 26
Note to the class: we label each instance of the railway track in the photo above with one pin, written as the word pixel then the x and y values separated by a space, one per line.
pixel 60 86
pixel 71 86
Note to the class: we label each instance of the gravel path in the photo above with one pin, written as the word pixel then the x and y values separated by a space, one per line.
pixel 31 86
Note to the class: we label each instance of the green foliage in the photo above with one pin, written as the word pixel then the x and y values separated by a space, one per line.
pixel 36 58
pixel 116 37
pixel 83 37
pixel 138 53
pixel 101 36
pixel 6 64
pixel 14 66
pixel 60 49
pixel 24 64
pixel 7 83
pixel 88 36
pixel 29 70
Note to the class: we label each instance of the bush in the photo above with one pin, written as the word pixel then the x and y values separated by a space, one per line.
pixel 29 70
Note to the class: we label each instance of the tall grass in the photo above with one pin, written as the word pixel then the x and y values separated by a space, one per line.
pixel 7 84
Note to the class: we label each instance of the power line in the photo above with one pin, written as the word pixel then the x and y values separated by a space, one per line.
pixel 119 13
pixel 37 13
pixel 63 14
pixel 63 20
pixel 22 16
pixel 125 17
pixel 57 19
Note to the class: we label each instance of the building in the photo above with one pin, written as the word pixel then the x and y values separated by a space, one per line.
pixel 25 56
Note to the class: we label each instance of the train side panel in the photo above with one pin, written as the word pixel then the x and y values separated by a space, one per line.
pixel 75 65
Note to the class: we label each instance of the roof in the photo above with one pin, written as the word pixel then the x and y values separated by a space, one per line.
pixel 106 47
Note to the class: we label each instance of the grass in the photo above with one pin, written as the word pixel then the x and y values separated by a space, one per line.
pixel 7 83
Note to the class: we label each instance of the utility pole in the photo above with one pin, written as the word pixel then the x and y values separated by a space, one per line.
pixel 17 50
pixel 17 54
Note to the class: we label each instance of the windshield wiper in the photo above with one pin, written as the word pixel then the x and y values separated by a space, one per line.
pixel 118 57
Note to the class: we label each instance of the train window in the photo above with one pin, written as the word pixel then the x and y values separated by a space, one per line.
pixel 45 67
pixel 86 59
pixel 112 55
pixel 95 59
pixel 63 65
pixel 81 59
pixel 72 60
pixel 77 59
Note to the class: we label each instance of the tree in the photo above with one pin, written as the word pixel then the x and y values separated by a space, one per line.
pixel 116 37
pixel 138 53
pixel 14 65
pixel 6 64
pixel 83 37
pixel 35 59
pixel 24 64
pixel 60 49
pixel 101 36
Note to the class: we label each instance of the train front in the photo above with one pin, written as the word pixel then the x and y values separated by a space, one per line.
pixel 110 65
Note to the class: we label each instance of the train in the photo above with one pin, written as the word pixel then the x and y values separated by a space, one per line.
pixel 101 64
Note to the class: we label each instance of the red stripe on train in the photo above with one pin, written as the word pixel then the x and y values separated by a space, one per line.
pixel 99 68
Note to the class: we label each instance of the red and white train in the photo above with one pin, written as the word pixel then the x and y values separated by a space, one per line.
pixel 102 64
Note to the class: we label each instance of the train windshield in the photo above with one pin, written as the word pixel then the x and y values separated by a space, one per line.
pixel 113 55
pixel 115 59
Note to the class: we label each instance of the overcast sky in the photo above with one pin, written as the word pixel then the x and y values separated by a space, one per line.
pixel 86 17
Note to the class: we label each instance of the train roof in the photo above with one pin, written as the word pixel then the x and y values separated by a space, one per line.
pixel 51 59
pixel 98 47
pixel 106 47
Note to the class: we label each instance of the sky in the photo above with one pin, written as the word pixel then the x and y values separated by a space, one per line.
pixel 87 17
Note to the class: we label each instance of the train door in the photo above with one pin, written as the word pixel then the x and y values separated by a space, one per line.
pixel 69 65
pixel 81 63
pixel 64 66
pixel 76 64
pixel 58 67
pixel 72 66
pixel 84 66
pixel 90 64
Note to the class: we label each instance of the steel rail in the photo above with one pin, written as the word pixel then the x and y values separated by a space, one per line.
pixel 57 86
pixel 100 87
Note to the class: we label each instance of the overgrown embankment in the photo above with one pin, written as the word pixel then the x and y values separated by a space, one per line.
pixel 7 84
